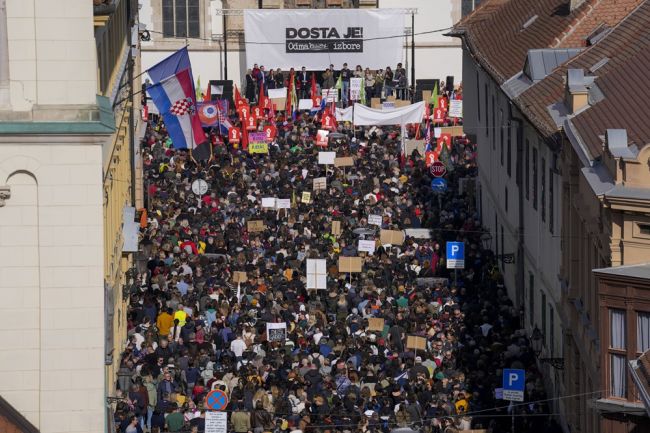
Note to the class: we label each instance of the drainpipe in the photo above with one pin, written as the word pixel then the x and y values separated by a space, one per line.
pixel 5 101
pixel 129 65
pixel 519 276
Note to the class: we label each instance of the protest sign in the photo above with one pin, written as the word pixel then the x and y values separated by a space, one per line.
pixel 316 274
pixel 346 161
pixel 283 203
pixel 418 233
pixel 456 108
pixel 320 183
pixel 411 145
pixel 306 197
pixel 326 158
pixel 375 220
pixel 216 422
pixel 276 331
pixel 391 237
pixel 336 228
pixel 239 277
pixel 257 143
pixel 255 226
pixel 305 104
pixel 355 88
pixel 350 264
pixel 268 202
pixel 416 343
pixel 375 324
pixel 321 138
pixel 330 95
pixel 367 246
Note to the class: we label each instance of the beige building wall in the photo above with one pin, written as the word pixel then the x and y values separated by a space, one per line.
pixel 52 53
pixel 51 240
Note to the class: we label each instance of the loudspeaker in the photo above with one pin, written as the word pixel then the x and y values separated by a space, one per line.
pixel 449 83
pixel 424 84
pixel 227 90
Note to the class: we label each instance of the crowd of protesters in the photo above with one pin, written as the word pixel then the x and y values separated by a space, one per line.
pixel 192 329
pixel 377 83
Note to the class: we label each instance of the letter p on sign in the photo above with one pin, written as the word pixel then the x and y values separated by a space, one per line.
pixel 512 378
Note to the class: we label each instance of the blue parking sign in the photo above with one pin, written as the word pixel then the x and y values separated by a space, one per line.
pixel 455 255
pixel 514 383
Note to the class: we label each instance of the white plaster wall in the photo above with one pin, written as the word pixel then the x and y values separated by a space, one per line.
pixel 51 284
pixel 52 57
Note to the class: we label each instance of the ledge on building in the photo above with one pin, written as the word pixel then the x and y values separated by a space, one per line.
pixel 100 120
pixel 620 406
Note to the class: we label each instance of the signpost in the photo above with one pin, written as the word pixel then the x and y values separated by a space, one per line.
pixel 216 400
pixel 455 257
pixel 438 169
pixel 439 185
pixel 514 383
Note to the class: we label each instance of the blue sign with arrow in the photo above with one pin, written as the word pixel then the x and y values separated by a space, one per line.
pixel 439 185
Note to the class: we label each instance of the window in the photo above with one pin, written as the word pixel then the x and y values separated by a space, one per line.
pixel 494 124
pixel 509 154
pixel 531 298
pixel 478 96
pixel 551 328
pixel 543 315
pixel 642 331
pixel 644 229
pixel 181 18
pixel 551 199
pixel 506 200
pixel 503 245
pixel 485 90
pixel 527 173
pixel 543 185
pixel 617 354
pixel 534 178
pixel 501 134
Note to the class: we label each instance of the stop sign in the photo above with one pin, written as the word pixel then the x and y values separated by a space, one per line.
pixel 438 169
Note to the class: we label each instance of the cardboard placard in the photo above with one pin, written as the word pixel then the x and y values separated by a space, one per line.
pixel 239 277
pixel 455 131
pixel 367 246
pixel 375 220
pixel 411 145
pixel 375 103
pixel 426 95
pixel 306 197
pixel 418 233
pixel 326 158
pixel 320 183
pixel 375 324
pixel 279 103
pixel 345 161
pixel 316 274
pixel 392 237
pixel 268 202
pixel 283 203
pixel 350 264
pixel 391 98
pixel 255 226
pixel 336 228
pixel 402 103
pixel 416 342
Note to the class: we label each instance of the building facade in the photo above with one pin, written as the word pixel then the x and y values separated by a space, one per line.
pixel 200 23
pixel 67 117
pixel 554 190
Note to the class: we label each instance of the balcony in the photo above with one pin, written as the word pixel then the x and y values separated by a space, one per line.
pixel 112 30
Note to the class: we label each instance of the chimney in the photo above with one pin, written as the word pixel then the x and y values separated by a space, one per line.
pixel 575 4
pixel 577 95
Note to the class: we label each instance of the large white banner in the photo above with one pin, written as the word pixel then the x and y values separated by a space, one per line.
pixel 316 38
pixel 397 116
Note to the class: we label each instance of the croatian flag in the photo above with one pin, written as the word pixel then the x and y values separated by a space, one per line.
pixel 175 99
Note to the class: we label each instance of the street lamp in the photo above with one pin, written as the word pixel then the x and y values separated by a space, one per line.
pixel 486 240
pixel 537 344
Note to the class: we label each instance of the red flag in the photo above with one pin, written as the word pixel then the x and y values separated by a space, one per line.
pixel 244 141
pixel 262 99
pixel 289 92
pixel 239 101
pixel 207 93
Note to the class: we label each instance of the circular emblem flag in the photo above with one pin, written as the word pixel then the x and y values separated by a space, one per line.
pixel 208 114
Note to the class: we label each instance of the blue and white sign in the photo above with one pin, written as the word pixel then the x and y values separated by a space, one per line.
pixel 438 184
pixel 455 255
pixel 514 383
